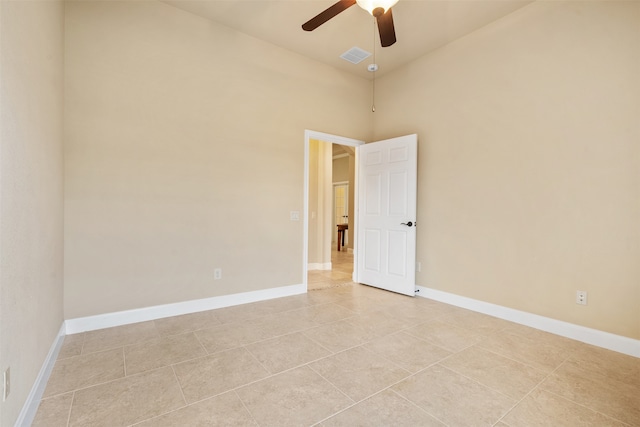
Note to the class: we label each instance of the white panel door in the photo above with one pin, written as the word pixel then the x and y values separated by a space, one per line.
pixel 386 250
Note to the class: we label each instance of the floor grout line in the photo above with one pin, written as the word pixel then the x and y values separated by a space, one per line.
pixel 417 406
pixel 235 392
pixel 73 398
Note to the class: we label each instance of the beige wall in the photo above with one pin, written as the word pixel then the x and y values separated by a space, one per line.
pixel 341 169
pixel 319 250
pixel 30 191
pixel 184 151
pixel 314 253
pixel 529 161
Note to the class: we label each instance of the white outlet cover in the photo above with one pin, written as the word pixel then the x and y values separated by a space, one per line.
pixel 294 215
pixel 581 297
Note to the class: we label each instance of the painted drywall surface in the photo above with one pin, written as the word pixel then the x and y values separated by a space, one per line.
pixel 325 188
pixel 529 161
pixel 31 249
pixel 319 205
pixel 184 152
pixel 341 169
pixel 313 251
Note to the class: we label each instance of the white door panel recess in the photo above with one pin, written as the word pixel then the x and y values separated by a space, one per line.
pixel 387 181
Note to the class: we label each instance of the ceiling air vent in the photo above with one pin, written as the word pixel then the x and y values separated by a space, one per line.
pixel 355 55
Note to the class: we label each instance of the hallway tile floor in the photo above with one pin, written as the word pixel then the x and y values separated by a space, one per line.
pixel 340 274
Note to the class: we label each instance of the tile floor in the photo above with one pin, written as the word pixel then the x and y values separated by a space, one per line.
pixel 342 356
pixel 341 272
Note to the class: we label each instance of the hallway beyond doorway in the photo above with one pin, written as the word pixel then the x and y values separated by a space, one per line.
pixel 340 275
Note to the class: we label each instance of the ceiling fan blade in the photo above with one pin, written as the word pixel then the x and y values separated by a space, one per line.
pixel 327 14
pixel 386 29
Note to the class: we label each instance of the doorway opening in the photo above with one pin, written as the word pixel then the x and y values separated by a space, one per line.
pixel 324 265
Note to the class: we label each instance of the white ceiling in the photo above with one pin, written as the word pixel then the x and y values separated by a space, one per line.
pixel 421 26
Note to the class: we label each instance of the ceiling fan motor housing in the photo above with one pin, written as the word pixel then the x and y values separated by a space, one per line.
pixel 372 6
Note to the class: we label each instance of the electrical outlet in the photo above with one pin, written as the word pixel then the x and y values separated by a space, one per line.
pixel 217 274
pixel 6 380
pixel 418 267
pixel 581 297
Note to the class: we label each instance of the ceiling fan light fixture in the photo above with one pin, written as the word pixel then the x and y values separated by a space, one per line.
pixel 371 5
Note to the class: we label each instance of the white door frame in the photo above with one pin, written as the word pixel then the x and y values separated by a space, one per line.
pixel 333 139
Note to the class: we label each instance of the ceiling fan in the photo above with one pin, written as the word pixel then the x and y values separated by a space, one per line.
pixel 380 9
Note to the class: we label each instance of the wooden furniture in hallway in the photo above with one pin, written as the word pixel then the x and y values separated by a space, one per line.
pixel 341 232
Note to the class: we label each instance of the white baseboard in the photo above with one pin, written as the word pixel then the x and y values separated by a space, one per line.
pixel 318 266
pixel 595 337
pixel 30 407
pixel 108 320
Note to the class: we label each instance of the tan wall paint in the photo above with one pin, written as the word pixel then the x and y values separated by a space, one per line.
pixel 184 151
pixel 529 161
pixel 31 287
pixel 341 169
pixel 319 251
pixel 313 249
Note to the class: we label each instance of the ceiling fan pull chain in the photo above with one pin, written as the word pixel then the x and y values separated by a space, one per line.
pixel 373 93
pixel 374 68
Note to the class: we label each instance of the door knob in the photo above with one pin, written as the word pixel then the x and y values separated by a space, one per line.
pixel 408 224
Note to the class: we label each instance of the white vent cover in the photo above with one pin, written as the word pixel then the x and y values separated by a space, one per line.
pixel 355 55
